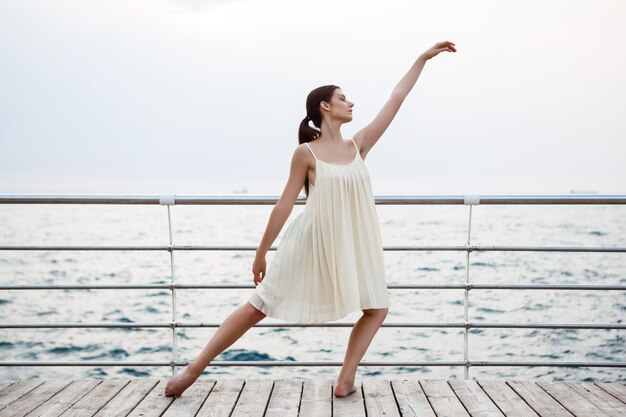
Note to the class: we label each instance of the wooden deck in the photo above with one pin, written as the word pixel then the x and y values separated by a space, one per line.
pixel 308 397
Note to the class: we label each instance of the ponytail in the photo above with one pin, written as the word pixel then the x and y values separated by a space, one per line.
pixel 306 133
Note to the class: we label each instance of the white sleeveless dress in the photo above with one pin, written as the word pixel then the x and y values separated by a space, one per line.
pixel 329 262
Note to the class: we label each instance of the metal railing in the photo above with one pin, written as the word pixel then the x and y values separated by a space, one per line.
pixel 173 286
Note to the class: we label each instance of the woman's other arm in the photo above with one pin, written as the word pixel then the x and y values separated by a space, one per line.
pixel 282 209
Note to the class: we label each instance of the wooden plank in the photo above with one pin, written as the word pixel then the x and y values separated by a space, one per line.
pixel 192 399
pixel 57 405
pixel 310 398
pixel 602 399
pixel 442 399
pixel 254 397
pixel 285 398
pixel 4 384
pixel 15 391
pixel 128 398
pixel 26 403
pixel 351 405
pixel 507 400
pixel 411 399
pixel 316 398
pixel 475 400
pixel 570 399
pixel 96 398
pixel 616 390
pixel 538 399
pixel 379 399
pixel 154 404
pixel 222 399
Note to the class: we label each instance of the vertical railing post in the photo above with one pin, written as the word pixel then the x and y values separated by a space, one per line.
pixel 470 199
pixel 169 200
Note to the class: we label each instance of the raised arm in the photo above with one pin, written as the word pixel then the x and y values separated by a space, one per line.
pixel 367 137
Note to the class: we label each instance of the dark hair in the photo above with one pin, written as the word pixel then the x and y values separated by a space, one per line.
pixel 306 133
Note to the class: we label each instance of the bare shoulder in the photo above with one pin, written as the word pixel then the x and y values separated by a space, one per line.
pixel 359 142
pixel 302 155
pixel 301 151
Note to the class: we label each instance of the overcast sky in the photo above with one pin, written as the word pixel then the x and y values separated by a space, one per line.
pixel 193 97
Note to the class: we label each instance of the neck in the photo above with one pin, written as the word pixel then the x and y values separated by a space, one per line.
pixel 331 132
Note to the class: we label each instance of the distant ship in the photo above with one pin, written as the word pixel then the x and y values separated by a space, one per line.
pixel 583 192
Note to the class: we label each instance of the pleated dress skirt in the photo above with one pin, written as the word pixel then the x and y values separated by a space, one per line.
pixel 330 261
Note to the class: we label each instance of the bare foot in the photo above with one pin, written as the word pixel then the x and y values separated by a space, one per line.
pixel 177 385
pixel 343 389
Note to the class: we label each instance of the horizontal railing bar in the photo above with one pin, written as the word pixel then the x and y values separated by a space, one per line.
pixel 469 325
pixel 546 326
pixel 320 363
pixel 592 287
pixel 170 248
pixel 459 199
pixel 394 286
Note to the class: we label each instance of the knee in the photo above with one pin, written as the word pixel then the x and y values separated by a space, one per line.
pixel 379 313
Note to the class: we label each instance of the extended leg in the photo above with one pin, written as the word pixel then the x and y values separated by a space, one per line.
pixel 360 338
pixel 235 325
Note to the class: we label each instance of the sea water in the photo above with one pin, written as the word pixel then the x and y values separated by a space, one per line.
pixel 436 225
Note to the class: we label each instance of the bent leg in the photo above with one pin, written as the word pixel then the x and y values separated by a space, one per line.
pixel 235 325
pixel 361 336
pixel 231 329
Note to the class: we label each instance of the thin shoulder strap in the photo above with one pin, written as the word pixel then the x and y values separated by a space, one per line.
pixel 307 145
pixel 357 148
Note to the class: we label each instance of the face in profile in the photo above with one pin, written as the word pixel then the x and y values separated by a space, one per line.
pixel 340 106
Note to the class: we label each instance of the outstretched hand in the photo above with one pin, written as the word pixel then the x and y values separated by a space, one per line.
pixel 439 47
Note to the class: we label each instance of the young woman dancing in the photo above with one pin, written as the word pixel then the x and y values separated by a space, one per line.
pixel 330 259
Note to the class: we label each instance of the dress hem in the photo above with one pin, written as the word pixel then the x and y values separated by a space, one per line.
pixel 283 315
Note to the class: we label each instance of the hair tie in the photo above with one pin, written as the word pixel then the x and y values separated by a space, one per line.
pixel 307 117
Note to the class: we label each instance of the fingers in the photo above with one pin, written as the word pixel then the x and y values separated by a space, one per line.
pixel 449 49
pixel 257 278
pixel 445 46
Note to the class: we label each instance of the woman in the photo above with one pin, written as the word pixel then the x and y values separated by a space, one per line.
pixel 330 260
